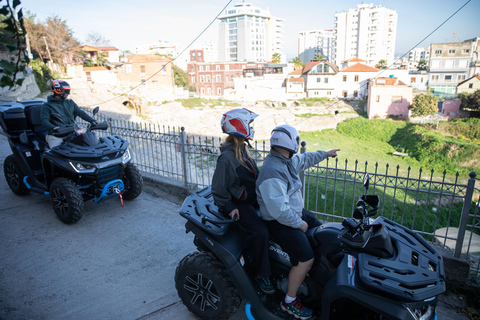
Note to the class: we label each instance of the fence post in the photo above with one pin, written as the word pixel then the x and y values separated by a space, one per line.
pixel 465 212
pixel 183 138
pixel 303 149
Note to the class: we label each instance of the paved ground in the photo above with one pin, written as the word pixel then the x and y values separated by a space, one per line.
pixel 115 263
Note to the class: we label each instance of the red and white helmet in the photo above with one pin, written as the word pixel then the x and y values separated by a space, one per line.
pixel 237 122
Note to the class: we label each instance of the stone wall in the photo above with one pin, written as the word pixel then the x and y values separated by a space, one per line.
pixel 27 91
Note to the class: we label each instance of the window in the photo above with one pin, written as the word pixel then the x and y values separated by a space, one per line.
pixel 377 99
pixel 217 67
pixel 448 77
pixel 227 67
pixel 325 80
pixel 319 79
pixel 412 80
pixel 344 93
pixel 466 50
pixel 397 99
pixel 207 68
pixel 344 78
pixel 209 91
pixel 164 70
pixel 128 68
pixel 208 78
pixel 193 80
pixel 202 91
pixel 219 78
pixel 356 78
pixel 461 77
pixel 200 68
pixel 202 78
pixel 329 93
pixel 451 51
pixel 470 85
pixel 355 93
pixel 438 51
pixel 193 55
pixel 219 91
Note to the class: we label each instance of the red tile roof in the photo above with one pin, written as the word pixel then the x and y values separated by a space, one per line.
pixel 353 60
pixel 359 67
pixel 107 48
pixel 296 80
pixel 298 71
pixel 145 57
pixel 312 64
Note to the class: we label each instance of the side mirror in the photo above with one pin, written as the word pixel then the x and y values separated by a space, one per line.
pixel 95 111
pixel 366 181
pixel 57 117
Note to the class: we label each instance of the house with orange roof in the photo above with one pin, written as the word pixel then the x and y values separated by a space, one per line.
pixel 353 79
pixel 111 54
pixel 141 68
pixel 388 97
pixel 469 85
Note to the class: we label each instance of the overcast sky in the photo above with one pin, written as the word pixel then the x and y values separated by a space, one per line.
pixel 128 24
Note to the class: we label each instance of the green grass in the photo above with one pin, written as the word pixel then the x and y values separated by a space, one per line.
pixel 375 141
pixel 200 102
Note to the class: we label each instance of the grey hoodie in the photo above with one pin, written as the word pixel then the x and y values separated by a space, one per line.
pixel 279 186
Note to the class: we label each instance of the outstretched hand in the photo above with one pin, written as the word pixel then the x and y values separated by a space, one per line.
pixel 332 153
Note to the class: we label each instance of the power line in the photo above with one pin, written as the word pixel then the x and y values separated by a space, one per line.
pixel 163 67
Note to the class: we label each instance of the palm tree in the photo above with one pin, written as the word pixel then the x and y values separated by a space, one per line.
pixel 318 57
pixel 382 64
pixel 298 63
pixel 276 57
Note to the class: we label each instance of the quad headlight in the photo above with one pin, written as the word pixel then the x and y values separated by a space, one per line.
pixel 82 168
pixel 126 156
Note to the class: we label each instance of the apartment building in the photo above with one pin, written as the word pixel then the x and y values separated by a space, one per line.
pixel 451 64
pixel 314 42
pixel 212 79
pixel 367 32
pixel 249 33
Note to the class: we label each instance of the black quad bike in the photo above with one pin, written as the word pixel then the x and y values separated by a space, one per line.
pixel 82 168
pixel 363 269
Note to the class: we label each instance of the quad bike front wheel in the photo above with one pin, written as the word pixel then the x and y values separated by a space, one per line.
pixel 67 200
pixel 133 182
pixel 205 287
pixel 14 176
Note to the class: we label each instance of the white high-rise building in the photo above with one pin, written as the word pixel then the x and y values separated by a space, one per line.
pixel 315 42
pixel 367 32
pixel 248 33
pixel 418 54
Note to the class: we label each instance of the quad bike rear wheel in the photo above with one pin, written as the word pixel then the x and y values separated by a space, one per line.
pixel 133 182
pixel 14 176
pixel 67 200
pixel 205 287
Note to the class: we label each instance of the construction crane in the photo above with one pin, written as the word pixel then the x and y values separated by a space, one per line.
pixel 455 37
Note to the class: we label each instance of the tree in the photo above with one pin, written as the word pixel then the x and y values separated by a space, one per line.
pixel 472 101
pixel 424 105
pixel 95 39
pixel 382 64
pixel 422 65
pixel 298 63
pixel 13 41
pixel 52 35
pixel 276 57
pixel 318 57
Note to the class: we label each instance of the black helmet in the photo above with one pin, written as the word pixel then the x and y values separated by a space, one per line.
pixel 60 87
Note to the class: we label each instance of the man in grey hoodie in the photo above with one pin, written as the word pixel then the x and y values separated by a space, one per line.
pixel 281 206
pixel 66 108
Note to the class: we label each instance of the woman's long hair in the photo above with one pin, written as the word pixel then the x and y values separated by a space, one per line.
pixel 238 143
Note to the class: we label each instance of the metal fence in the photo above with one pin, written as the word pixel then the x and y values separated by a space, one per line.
pixel 439 209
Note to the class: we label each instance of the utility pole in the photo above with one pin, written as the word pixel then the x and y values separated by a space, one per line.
pixel 48 50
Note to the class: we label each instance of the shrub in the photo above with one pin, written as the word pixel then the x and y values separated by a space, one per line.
pixel 42 74
pixel 423 105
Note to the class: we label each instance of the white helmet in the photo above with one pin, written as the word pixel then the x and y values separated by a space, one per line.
pixel 286 137
pixel 237 121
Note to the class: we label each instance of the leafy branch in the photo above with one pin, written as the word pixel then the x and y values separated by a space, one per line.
pixel 15 32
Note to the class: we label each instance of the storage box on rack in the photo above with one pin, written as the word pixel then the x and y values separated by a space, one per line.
pixel 13 118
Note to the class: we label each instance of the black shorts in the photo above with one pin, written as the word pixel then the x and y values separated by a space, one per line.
pixel 294 241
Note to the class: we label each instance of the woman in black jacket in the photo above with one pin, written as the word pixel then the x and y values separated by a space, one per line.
pixel 233 189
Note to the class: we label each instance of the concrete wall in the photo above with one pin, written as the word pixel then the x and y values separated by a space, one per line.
pixel 381 101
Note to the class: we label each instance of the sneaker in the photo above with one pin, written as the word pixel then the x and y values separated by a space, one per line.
pixel 265 284
pixel 296 309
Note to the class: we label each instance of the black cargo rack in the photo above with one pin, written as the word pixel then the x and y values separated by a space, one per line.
pixel 199 209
